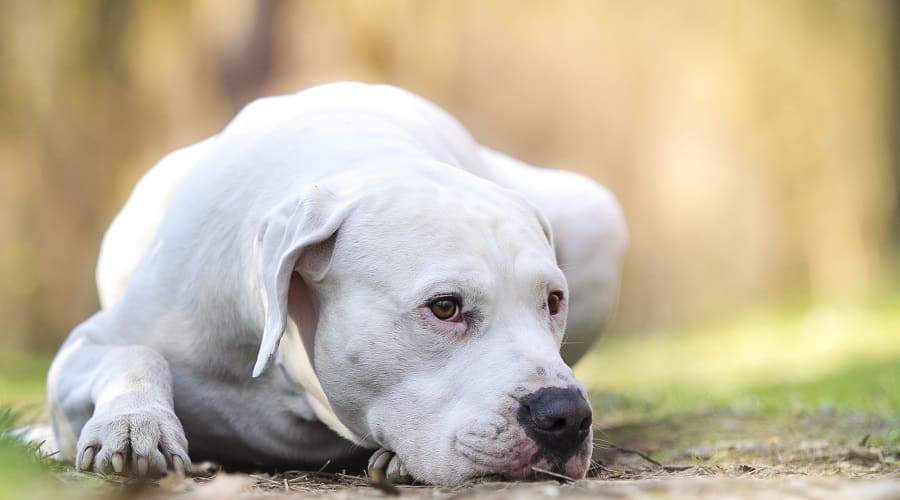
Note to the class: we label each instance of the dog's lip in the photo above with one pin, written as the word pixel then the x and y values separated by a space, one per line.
pixel 513 462
pixel 518 462
pixel 493 461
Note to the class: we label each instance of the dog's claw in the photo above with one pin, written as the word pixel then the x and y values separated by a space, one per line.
pixel 118 462
pixel 142 466
pixel 379 460
pixel 178 467
pixel 387 465
pixel 86 460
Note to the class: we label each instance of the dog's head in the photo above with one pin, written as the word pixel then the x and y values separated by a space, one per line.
pixel 432 310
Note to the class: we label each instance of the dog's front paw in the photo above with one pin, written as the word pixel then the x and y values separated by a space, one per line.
pixel 387 464
pixel 147 442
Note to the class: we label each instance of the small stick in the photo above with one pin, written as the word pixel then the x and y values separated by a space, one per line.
pixel 638 453
pixel 667 468
pixel 563 478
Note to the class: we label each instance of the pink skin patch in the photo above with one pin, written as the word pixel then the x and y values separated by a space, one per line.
pixel 522 457
pixel 575 468
pixel 578 465
pixel 455 326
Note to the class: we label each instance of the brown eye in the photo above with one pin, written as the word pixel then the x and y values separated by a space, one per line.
pixel 445 308
pixel 553 301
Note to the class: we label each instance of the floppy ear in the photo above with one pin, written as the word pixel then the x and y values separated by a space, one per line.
pixel 287 232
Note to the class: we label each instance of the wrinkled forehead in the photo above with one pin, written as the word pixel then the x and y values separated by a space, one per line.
pixel 467 220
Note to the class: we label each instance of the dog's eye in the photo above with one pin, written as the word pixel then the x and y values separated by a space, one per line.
pixel 445 309
pixel 553 301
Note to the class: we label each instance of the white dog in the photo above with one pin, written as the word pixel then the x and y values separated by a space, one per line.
pixel 340 270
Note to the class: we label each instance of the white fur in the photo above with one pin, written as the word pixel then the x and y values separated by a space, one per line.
pixel 267 286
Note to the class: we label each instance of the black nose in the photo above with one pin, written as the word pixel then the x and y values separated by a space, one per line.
pixel 557 419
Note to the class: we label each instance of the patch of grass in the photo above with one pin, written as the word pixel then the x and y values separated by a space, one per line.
pixel 23 382
pixel 24 470
pixel 869 387
pixel 789 360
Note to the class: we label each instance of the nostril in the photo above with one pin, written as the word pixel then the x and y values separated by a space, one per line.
pixel 585 424
pixel 557 425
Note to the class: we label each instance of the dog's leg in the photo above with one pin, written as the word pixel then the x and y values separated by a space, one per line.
pixel 118 401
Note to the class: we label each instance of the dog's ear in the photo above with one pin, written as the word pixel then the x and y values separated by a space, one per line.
pixel 290 235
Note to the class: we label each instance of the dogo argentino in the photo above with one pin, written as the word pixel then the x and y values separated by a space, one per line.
pixel 341 270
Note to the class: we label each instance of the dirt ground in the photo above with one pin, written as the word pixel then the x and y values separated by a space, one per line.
pixel 712 455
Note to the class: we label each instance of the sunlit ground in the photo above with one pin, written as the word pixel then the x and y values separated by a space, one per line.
pixel 783 360
pixel 778 363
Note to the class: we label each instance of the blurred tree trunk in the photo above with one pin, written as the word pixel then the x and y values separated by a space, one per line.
pixel 893 127
pixel 245 71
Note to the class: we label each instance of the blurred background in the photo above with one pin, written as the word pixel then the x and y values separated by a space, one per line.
pixel 752 144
